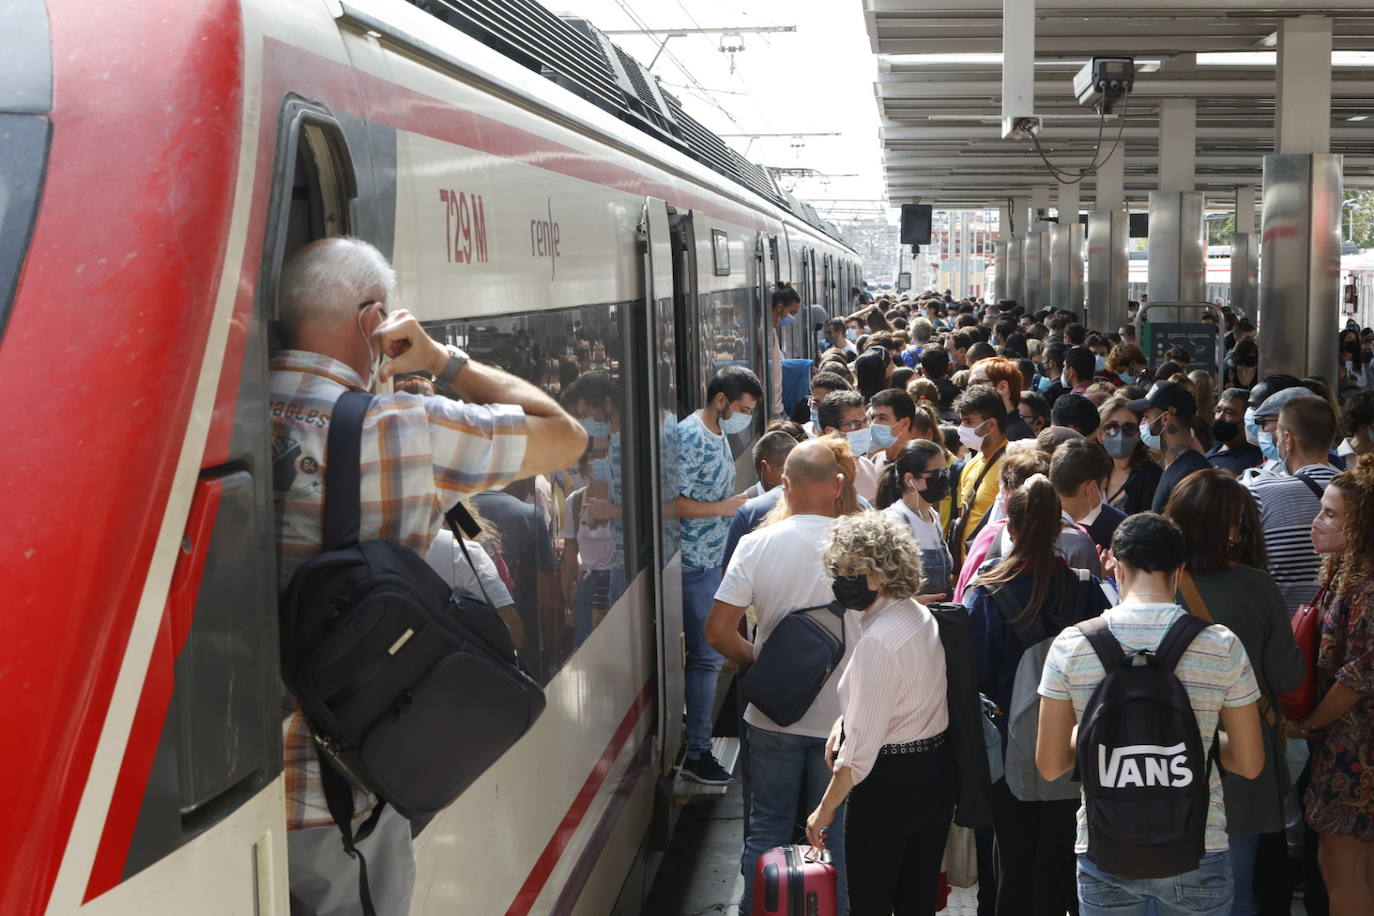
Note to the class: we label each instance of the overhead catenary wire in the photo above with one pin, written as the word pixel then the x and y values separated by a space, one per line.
pixel 691 78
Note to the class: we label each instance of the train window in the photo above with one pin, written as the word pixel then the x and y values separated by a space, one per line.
pixel 23 157
pixel 725 326
pixel 568 542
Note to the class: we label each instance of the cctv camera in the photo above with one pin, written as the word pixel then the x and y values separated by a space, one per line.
pixel 1103 82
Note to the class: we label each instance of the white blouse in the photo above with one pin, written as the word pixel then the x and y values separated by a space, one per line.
pixel 893 689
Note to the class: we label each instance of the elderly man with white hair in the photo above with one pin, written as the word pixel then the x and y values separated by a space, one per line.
pixel 418 455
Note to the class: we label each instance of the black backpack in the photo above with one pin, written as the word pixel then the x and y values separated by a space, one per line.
pixel 1140 759
pixel 412 690
pixel 797 659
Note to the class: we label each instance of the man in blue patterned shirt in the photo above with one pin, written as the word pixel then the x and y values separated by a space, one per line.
pixel 706 502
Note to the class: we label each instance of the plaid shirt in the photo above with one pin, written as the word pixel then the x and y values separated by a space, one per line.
pixel 418 455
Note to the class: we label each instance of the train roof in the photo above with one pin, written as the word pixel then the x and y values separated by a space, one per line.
pixel 574 54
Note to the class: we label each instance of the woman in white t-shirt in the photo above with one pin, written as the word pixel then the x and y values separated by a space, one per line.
pixel 909 491
pixel 475 573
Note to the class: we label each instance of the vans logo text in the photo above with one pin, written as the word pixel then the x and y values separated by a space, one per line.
pixel 1162 766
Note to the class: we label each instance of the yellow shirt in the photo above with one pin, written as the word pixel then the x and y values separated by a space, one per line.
pixel 983 499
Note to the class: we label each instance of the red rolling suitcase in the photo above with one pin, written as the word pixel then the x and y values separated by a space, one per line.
pixel 794 881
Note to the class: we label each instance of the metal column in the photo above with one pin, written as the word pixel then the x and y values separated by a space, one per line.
pixel 999 260
pixel 1245 254
pixel 1299 294
pixel 1178 249
pixel 1108 235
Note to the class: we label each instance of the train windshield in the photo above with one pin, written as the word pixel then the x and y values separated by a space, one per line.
pixel 23 155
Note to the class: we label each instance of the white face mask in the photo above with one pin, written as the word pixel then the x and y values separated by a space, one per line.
pixel 970 438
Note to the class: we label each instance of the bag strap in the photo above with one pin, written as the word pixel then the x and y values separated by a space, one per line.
pixel 1316 488
pixel 339 796
pixel 343 470
pixel 460 520
pixel 1177 640
pixel 961 523
pixel 833 607
pixel 1193 598
pixel 1108 650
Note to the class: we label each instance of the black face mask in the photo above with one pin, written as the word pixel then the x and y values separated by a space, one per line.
pixel 853 592
pixel 1224 431
pixel 937 487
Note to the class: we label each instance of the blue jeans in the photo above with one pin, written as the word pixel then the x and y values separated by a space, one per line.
pixel 1208 889
pixel 1243 851
pixel 785 772
pixel 703 662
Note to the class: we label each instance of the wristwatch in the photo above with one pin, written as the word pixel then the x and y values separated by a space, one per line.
pixel 457 359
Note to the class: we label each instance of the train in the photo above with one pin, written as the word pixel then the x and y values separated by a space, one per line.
pixel 547 206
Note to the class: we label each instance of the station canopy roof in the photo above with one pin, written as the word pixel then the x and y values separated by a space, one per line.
pixel 939 92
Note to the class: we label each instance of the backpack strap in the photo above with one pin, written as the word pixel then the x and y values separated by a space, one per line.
pixel 338 794
pixel 1316 488
pixel 343 470
pixel 1108 650
pixel 1176 641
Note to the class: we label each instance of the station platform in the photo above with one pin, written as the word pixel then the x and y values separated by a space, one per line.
pixel 700 875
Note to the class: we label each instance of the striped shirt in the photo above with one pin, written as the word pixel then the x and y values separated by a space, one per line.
pixel 893 688
pixel 418 455
pixel 1287 507
pixel 1214 670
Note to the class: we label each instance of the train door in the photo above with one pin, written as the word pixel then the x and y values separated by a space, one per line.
pixel 661 346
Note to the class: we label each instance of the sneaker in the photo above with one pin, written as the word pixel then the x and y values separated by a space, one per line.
pixel 704 769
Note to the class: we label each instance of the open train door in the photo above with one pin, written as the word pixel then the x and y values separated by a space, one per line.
pixel 660 413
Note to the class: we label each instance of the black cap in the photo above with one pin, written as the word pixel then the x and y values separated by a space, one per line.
pixel 1270 384
pixel 1169 397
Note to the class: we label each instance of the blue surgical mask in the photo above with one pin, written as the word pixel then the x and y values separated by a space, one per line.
pixel 1269 446
pixel 737 422
pixel 786 320
pixel 860 441
pixel 1101 363
pixel 597 429
pixel 1045 384
pixel 882 436
pixel 851 334
pixel 1127 378
pixel 1251 427
pixel 816 422
pixel 1149 437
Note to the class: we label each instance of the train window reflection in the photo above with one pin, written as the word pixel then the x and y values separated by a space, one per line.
pixel 557 542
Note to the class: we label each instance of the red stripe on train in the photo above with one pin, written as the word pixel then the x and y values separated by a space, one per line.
pixel 543 867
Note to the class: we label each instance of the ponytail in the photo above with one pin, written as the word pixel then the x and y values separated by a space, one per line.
pixel 915 457
pixel 1033 518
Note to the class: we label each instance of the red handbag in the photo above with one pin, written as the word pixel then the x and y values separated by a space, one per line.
pixel 1299 702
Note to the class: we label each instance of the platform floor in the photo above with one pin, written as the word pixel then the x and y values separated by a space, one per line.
pixel 700 875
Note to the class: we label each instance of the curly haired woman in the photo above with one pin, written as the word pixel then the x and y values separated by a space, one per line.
pixel 890 738
pixel 1340 797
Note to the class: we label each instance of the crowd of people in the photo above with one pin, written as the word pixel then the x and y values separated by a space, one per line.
pixel 1054 484
pixel 978 497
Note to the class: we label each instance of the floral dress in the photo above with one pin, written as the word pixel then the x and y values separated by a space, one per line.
pixel 1340 798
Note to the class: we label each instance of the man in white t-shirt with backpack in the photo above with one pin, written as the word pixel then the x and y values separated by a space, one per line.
pixel 777 569
pixel 1152 827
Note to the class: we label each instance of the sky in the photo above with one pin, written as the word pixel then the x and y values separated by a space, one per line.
pixel 818 79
